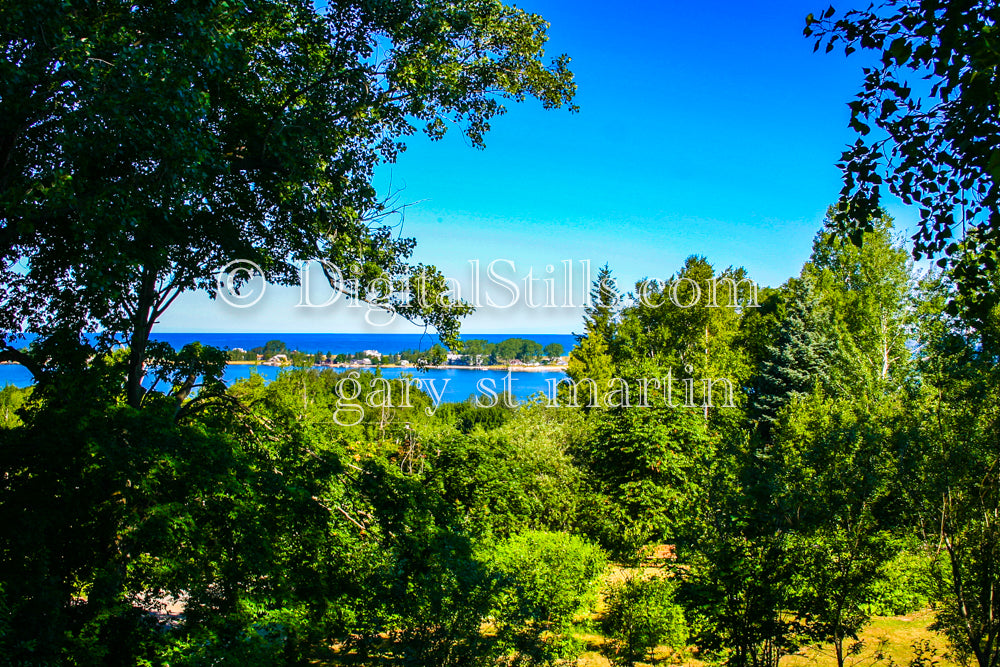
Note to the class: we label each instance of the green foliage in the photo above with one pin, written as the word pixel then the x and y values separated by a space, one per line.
pixel 517 348
pixel 590 368
pixel 931 93
pixel 655 463
pixel 141 157
pixel 952 464
pixel 468 416
pixel 904 584
pixel 799 360
pixel 546 579
pixel 12 399
pixel 600 312
pixel 590 364
pixel 517 477
pixel 734 590
pixel 641 614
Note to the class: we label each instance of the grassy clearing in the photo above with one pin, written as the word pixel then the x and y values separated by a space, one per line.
pixel 887 640
pixel 891 637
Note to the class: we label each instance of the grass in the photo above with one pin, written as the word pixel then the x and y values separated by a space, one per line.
pixel 886 641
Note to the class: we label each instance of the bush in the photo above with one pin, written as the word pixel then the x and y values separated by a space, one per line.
pixel 545 580
pixel 641 615
pixel 904 586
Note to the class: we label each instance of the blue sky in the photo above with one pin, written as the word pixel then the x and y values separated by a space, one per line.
pixel 706 129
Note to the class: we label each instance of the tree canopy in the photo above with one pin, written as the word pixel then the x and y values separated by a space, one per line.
pixel 143 147
pixel 928 123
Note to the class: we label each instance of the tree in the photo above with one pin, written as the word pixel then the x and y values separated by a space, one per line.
pixel 517 348
pixel 826 481
pixel 477 350
pixel 590 368
pixel 866 291
pixel 143 148
pixel 953 470
pixel 590 365
pixel 437 355
pixel 602 306
pixel 846 322
pixel 546 578
pixel 938 144
pixel 641 615
pixel 553 351
pixel 800 358
pixel 11 400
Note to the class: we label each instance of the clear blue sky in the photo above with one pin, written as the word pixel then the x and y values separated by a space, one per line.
pixel 706 129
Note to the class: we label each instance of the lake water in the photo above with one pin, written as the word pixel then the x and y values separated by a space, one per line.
pixel 453 385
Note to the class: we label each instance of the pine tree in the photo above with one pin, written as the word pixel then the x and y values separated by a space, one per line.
pixel 601 311
pixel 800 359
pixel 591 360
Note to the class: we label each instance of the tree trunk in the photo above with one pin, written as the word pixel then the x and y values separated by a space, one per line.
pixel 139 339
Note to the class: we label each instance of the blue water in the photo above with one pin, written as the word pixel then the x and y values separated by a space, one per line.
pixel 451 384
pixel 455 384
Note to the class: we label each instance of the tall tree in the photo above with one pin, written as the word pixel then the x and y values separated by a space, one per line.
pixel 952 468
pixel 590 365
pixel 867 292
pixel 144 147
pixel 601 309
pixel 846 323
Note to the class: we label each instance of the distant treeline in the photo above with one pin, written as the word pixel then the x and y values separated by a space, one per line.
pixel 474 352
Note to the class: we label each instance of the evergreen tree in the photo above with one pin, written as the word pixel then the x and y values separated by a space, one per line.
pixel 799 361
pixel 590 363
pixel 589 369
pixel 602 307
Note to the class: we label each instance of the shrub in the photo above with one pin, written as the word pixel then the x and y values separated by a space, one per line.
pixel 641 615
pixel 904 586
pixel 545 579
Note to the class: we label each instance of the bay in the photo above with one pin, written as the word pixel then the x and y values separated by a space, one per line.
pixel 456 384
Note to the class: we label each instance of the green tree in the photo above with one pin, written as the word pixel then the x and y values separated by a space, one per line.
pixel 932 95
pixel 517 348
pixel 602 306
pixel 12 399
pixel 437 355
pixel 799 360
pixel 827 480
pixel 477 351
pixel 589 369
pixel 154 155
pixel 866 291
pixel 846 320
pixel 641 615
pixel 553 351
pixel 953 469
pixel 590 364
pixel 546 579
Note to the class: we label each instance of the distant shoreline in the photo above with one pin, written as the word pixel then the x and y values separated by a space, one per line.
pixel 355 367
pixel 513 369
